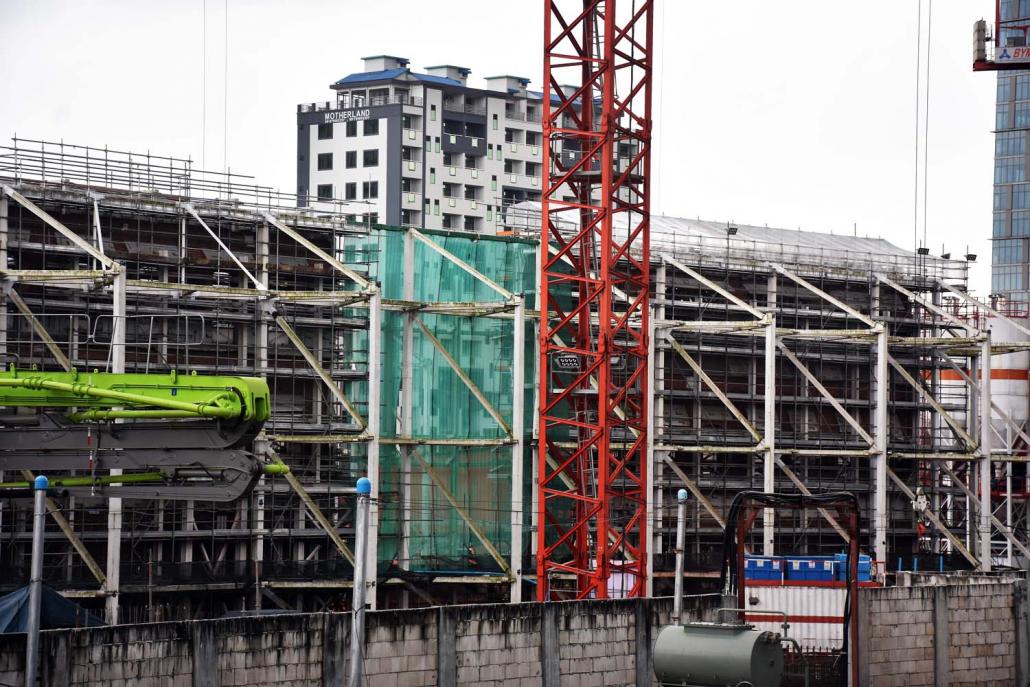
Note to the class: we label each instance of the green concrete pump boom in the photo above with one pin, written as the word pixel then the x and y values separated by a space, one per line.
pixel 172 436
pixel 108 396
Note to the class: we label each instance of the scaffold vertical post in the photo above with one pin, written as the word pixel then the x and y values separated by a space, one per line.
pixel 375 315
pixel 114 504
pixel 769 462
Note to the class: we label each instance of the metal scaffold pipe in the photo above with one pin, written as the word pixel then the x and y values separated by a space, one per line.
pixel 39 485
pixel 681 527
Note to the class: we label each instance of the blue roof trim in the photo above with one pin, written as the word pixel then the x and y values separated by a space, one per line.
pixel 388 74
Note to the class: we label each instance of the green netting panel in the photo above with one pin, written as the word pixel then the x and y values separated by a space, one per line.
pixel 478 477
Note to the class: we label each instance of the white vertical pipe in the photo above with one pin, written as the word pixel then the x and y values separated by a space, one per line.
pixel 35 581
pixel 358 601
pixel 114 504
pixel 985 451
pixel 518 424
pixel 681 541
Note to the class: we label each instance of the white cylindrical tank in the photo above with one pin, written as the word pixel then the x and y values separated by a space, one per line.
pixel 1010 375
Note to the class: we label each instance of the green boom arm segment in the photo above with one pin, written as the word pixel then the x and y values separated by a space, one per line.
pixel 107 396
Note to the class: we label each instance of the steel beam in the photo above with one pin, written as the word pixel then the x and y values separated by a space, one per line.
pixel 465 378
pixel 40 330
pixel 880 432
pixel 696 491
pixel 803 488
pixel 840 305
pixel 814 381
pixel 941 527
pixel 769 438
pixel 480 535
pixel 326 378
pixel 712 386
pixel 451 257
pixel 330 260
pixel 1004 529
pixel 82 243
pixel 928 397
pixel 232 256
pixel 725 293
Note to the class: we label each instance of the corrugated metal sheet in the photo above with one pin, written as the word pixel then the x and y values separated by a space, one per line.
pixel 816 614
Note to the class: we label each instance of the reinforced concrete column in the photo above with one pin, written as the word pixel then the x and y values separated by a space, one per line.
pixel 880 429
pixel 984 464
pixel 114 504
pixel 656 408
pixel 261 447
pixel 769 437
pixel 518 423
pixel 375 304
pixel 404 419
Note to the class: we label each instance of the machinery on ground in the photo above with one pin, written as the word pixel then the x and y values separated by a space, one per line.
pixel 167 436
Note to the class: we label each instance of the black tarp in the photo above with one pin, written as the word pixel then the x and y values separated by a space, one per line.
pixel 55 612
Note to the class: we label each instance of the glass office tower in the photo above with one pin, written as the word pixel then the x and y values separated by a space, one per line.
pixel 1009 257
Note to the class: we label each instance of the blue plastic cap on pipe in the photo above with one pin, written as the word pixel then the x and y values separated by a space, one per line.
pixel 41 483
pixel 364 486
pixel 682 495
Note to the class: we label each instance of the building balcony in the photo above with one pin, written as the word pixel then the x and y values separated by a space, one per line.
pixel 413 136
pixel 411 168
pixel 522 150
pixel 411 200
pixel 521 180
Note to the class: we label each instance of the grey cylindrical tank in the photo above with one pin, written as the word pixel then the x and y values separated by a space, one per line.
pixel 712 654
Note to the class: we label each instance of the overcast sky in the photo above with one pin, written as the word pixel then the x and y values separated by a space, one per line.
pixel 796 113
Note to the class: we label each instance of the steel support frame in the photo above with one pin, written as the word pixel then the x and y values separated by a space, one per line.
pixel 607 54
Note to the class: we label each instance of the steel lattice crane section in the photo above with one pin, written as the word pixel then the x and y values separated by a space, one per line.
pixel 594 299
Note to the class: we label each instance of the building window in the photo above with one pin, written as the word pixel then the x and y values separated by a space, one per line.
pixel 370 158
pixel 370 189
pixel 1020 197
pixel 1007 251
pixel 325 191
pixel 1022 115
pixel 999 224
pixel 352 129
pixel 351 191
pixel 1009 143
pixel 325 131
pixel 429 144
pixel 1008 170
pixel 352 159
pixel 1020 223
pixel 1007 278
pixel 432 113
pixel 1001 117
pixel 325 161
pixel 432 175
pixel 1001 198
pixel 494 122
pixel 1022 87
pixel 371 127
pixel 1004 89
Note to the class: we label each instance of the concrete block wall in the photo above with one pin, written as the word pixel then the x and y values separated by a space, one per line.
pixel 982 632
pixel 283 650
pixel 549 645
pixel 496 645
pixel 401 648
pixel 899 644
pixel 950 635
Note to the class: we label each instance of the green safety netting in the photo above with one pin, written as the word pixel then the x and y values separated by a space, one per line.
pixel 478 477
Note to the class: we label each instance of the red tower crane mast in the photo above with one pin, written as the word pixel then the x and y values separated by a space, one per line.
pixel 595 274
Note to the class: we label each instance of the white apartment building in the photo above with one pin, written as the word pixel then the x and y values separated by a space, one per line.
pixel 422 149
